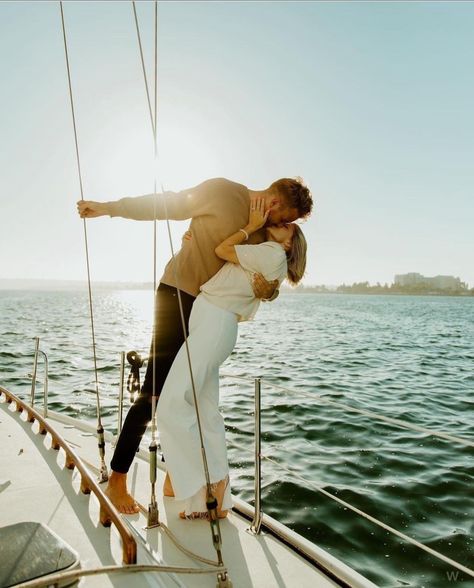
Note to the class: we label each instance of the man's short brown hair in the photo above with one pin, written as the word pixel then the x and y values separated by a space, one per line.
pixel 295 194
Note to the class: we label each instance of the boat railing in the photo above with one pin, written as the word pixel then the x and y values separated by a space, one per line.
pixel 258 514
pixel 39 351
pixel 256 523
pixel 257 518
pixel 88 483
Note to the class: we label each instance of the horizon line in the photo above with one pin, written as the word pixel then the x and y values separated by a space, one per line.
pixel 150 283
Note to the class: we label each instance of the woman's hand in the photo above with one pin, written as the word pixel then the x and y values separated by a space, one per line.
pixel 257 215
pixel 91 209
pixel 187 236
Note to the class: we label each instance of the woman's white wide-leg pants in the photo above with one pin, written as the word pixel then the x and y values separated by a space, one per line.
pixel 212 337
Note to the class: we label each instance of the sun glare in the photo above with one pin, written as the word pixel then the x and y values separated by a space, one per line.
pixel 184 158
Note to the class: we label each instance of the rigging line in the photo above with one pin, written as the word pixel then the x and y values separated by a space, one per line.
pixel 178 545
pixel 84 220
pixel 153 122
pixel 164 528
pixel 143 66
pixel 153 513
pixel 364 514
pixel 211 502
pixel 60 577
pixel 155 172
pixel 183 322
pixel 187 552
pixel 103 476
pixel 188 353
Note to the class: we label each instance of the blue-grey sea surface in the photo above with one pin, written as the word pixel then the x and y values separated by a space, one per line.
pixel 410 358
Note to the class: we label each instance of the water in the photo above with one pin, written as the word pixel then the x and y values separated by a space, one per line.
pixel 405 357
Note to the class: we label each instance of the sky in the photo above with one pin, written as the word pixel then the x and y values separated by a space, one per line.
pixel 369 102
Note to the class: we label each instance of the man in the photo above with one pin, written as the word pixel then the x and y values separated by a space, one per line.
pixel 218 208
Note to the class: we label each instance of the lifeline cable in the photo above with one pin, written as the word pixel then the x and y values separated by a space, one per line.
pixel 347 505
pixel 103 476
pixel 153 514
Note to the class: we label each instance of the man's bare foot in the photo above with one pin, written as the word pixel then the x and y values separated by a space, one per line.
pixel 167 486
pixel 119 496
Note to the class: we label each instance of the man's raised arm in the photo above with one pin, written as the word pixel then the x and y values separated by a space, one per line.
pixel 173 205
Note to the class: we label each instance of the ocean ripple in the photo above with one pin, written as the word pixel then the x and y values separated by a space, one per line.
pixel 408 358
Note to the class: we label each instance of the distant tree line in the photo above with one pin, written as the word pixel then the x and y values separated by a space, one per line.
pixel 366 288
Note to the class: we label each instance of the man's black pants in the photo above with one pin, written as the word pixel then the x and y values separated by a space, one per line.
pixel 168 336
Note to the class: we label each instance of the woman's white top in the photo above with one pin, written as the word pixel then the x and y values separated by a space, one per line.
pixel 231 286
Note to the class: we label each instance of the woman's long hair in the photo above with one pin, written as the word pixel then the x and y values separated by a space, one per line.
pixel 296 257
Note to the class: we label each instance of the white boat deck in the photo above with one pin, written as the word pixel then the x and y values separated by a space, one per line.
pixel 35 486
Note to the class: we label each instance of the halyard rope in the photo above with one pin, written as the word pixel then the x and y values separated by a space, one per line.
pixel 153 516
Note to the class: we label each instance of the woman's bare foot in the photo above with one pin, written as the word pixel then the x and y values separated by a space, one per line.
pixel 119 496
pixel 218 490
pixel 167 486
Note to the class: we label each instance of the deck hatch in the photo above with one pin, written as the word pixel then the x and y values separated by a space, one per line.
pixel 31 550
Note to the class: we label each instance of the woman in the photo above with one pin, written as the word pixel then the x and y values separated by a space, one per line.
pixel 224 301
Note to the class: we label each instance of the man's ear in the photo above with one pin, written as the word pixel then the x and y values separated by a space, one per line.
pixel 274 204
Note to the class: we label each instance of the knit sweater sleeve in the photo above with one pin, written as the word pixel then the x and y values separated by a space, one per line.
pixel 181 205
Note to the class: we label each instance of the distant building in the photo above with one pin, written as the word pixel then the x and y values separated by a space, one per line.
pixel 408 279
pixel 438 282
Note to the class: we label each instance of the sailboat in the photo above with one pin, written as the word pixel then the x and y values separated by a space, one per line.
pixel 58 528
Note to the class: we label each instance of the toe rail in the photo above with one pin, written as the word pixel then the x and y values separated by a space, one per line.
pixel 108 513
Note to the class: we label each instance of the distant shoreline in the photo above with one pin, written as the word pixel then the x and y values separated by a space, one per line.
pixel 75 285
